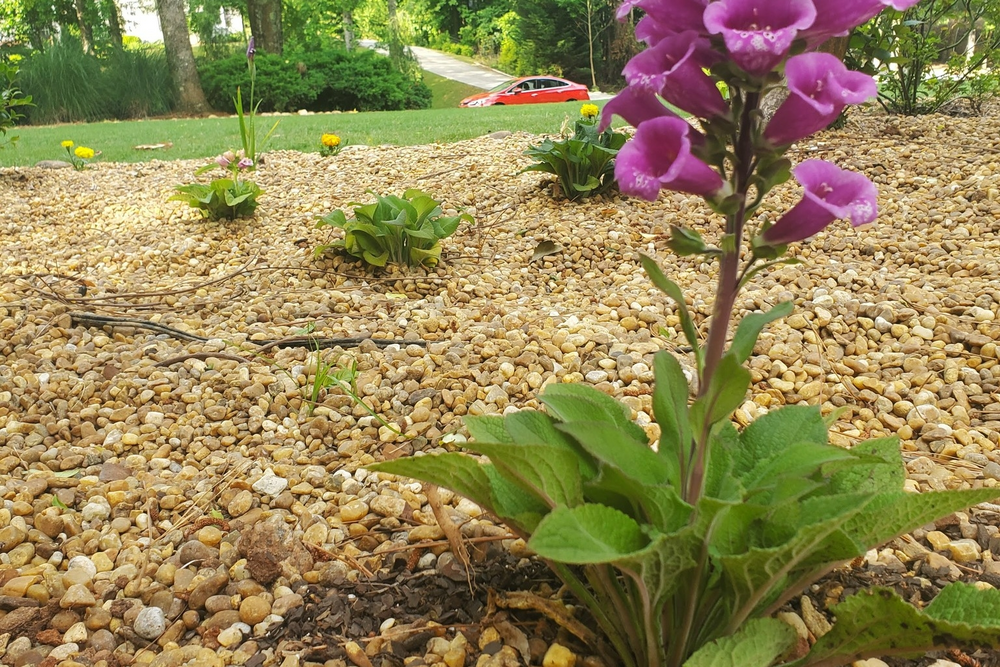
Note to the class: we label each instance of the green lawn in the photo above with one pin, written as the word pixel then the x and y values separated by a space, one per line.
pixel 207 137
pixel 447 93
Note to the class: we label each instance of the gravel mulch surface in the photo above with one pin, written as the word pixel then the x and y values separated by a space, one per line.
pixel 169 497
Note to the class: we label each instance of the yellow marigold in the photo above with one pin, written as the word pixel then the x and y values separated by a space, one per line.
pixel 67 144
pixel 84 153
pixel 589 111
pixel 330 140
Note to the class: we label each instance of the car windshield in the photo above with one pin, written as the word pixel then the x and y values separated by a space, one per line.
pixel 503 86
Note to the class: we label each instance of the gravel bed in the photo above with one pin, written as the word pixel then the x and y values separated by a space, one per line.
pixel 173 502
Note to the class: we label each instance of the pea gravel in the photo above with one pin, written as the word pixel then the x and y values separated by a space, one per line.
pixel 169 501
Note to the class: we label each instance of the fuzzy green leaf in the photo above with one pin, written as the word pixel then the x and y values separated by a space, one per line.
pixel 549 472
pixel 589 533
pixel 459 472
pixel 577 402
pixel 879 623
pixel 609 444
pixel 770 434
pixel 750 327
pixel 670 409
pixel 488 428
pixel 671 289
pixel 758 643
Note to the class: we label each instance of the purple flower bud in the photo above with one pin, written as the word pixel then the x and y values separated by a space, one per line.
pixel 635 105
pixel 674 68
pixel 659 156
pixel 222 162
pixel 665 17
pixel 831 193
pixel 230 156
pixel 250 49
pixel 819 88
pixel 838 17
pixel 758 33
pixel 244 163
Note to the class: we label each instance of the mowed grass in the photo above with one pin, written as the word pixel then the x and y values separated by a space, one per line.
pixel 447 93
pixel 207 137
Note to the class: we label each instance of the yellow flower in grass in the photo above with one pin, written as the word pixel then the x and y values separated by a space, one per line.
pixel 67 144
pixel 330 140
pixel 589 111
pixel 83 152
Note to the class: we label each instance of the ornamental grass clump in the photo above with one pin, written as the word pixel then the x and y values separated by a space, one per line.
pixel 584 163
pixel 681 552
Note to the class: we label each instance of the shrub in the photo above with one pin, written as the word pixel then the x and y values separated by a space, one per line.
pixel 11 101
pixel 397 230
pixel 326 80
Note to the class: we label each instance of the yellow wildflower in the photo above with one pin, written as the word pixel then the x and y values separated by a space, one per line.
pixel 84 153
pixel 330 140
pixel 67 144
pixel 589 111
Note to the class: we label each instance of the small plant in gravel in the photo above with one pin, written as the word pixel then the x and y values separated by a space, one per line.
pixel 330 144
pixel 584 163
pixel 393 230
pixel 79 156
pixel 234 196
pixel 681 552
pixel 230 197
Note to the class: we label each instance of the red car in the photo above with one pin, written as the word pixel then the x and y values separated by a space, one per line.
pixel 529 90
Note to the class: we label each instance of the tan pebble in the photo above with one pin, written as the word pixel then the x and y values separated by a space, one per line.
pixel 357 655
pixel 814 620
pixel 240 503
pixel 965 551
pixel 938 540
pixel 353 511
pixel 454 657
pixel 558 656
pixel 18 586
pixel 76 596
pixel 254 609
pixel 209 536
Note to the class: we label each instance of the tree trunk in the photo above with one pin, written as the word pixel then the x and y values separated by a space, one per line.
pixel 180 58
pixel 86 34
pixel 395 42
pixel 348 30
pixel 265 25
pixel 114 15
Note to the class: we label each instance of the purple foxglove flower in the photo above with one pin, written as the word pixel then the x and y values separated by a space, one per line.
pixel 831 193
pixel 659 156
pixel 244 163
pixel 665 17
pixel 819 88
pixel 758 33
pixel 229 156
pixel 635 105
pixel 222 162
pixel 674 68
pixel 250 49
pixel 838 17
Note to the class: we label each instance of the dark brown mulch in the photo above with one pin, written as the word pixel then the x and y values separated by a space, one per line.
pixel 356 610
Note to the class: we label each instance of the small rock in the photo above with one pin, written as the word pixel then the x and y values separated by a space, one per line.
pixel 270 484
pixel 150 623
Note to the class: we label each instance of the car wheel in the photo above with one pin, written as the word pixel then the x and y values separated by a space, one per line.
pixel 497 104
pixel 571 100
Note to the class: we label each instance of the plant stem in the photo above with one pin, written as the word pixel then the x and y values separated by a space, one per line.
pixel 728 285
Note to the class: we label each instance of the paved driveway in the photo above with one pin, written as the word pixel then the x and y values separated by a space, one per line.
pixel 450 67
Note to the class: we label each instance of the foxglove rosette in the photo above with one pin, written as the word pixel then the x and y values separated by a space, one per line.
pixel 838 17
pixel 831 193
pixel 819 87
pixel 659 156
pixel 635 105
pixel 675 68
pixel 759 33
